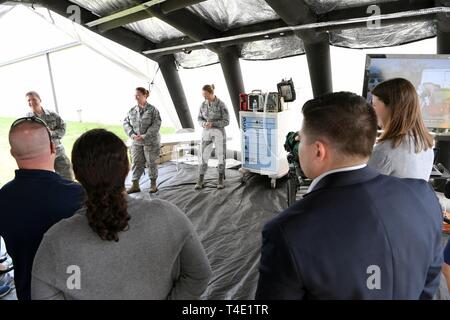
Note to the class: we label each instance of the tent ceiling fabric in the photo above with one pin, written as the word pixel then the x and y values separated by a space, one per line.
pixel 52 31
pixel 273 48
pixel 105 7
pixel 13 19
pixel 226 15
pixel 324 6
pixel 384 36
pixel 257 50
pixel 155 30
pixel 196 58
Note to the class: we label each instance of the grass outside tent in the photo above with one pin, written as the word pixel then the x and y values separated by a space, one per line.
pixel 74 130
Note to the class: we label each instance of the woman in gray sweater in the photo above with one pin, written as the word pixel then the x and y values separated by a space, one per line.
pixel 405 148
pixel 117 247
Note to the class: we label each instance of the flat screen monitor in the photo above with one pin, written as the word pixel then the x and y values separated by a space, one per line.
pixel 430 74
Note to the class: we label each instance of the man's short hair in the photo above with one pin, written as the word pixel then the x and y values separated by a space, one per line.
pixel 29 138
pixel 33 93
pixel 343 119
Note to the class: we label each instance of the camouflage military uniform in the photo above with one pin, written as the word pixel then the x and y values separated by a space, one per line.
pixel 57 130
pixel 217 113
pixel 147 123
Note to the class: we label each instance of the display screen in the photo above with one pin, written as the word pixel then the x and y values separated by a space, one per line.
pixel 286 92
pixel 272 101
pixel 430 74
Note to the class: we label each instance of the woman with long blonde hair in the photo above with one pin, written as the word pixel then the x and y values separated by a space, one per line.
pixel 405 148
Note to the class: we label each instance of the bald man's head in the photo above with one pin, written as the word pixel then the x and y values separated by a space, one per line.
pixel 30 142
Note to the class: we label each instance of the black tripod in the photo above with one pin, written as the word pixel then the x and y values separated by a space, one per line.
pixel 294 179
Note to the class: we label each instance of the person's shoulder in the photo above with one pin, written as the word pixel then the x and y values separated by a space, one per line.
pixel 153 109
pixel 381 155
pixel 159 210
pixel 383 147
pixel 415 185
pixel 52 114
pixel 409 187
pixel 404 147
pixel 220 102
pixel 132 110
pixel 418 193
pixel 68 226
pixel 7 186
pixel 70 184
pixel 316 202
pixel 6 190
pixel 402 183
pixel 293 214
pixel 69 187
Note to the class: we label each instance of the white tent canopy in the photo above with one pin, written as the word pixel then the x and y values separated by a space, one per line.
pixel 91 73
pixel 98 76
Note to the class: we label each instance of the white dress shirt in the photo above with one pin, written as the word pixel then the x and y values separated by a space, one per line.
pixel 316 180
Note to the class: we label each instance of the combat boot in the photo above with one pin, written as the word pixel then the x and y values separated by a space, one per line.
pixel 134 187
pixel 200 183
pixel 153 187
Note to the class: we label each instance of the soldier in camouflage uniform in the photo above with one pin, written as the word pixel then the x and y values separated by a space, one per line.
pixel 57 129
pixel 142 124
pixel 213 117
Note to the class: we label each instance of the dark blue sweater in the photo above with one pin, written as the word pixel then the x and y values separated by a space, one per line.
pixel 29 205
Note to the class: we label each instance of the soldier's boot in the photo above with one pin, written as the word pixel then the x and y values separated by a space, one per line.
pixel 134 187
pixel 200 183
pixel 153 187
pixel 220 184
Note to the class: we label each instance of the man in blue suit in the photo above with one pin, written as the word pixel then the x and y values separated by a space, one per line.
pixel 356 234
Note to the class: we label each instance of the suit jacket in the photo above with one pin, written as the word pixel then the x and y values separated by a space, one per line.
pixel 356 235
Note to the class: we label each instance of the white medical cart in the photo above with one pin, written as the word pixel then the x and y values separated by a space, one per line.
pixel 262 139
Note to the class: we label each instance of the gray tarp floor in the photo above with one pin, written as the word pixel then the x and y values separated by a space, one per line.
pixel 228 221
